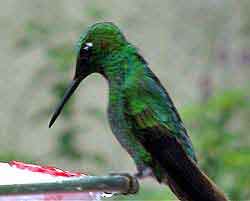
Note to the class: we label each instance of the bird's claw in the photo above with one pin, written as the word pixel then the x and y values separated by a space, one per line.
pixel 133 184
pixel 147 172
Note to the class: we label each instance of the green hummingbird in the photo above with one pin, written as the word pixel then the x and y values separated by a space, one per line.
pixel 141 113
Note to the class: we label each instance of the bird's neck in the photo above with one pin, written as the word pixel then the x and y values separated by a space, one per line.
pixel 121 65
pixel 121 68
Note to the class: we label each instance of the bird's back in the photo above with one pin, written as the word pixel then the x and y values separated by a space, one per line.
pixel 149 106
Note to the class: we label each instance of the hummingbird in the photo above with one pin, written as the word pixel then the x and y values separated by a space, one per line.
pixel 141 113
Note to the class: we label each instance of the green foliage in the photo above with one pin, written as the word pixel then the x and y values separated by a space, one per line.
pixel 147 193
pixel 9 156
pixel 65 145
pixel 96 113
pixel 219 129
pixel 62 56
pixel 32 32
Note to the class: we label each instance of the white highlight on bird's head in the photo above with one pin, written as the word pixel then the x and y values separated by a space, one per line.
pixel 88 46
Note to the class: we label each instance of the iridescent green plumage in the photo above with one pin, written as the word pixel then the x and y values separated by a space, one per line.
pixel 141 114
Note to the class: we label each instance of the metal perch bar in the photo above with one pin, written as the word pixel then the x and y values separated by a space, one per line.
pixel 123 183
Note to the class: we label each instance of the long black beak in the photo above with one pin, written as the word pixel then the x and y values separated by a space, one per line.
pixel 71 88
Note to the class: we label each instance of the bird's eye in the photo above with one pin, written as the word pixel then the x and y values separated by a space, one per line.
pixel 88 46
pixel 86 50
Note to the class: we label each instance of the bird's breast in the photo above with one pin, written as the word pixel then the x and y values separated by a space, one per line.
pixel 116 118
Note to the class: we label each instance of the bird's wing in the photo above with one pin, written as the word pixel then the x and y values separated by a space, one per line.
pixel 158 127
pixel 154 115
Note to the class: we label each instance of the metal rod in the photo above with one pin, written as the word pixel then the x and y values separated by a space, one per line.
pixel 124 184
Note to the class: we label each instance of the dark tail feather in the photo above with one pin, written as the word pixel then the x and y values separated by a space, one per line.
pixel 212 192
pixel 184 177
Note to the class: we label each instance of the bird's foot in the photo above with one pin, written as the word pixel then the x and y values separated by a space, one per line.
pixel 142 174
pixel 133 184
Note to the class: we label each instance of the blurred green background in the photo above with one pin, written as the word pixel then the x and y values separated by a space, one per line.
pixel 200 50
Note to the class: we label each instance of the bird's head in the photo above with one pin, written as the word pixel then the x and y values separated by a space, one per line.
pixel 104 38
pixel 99 41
